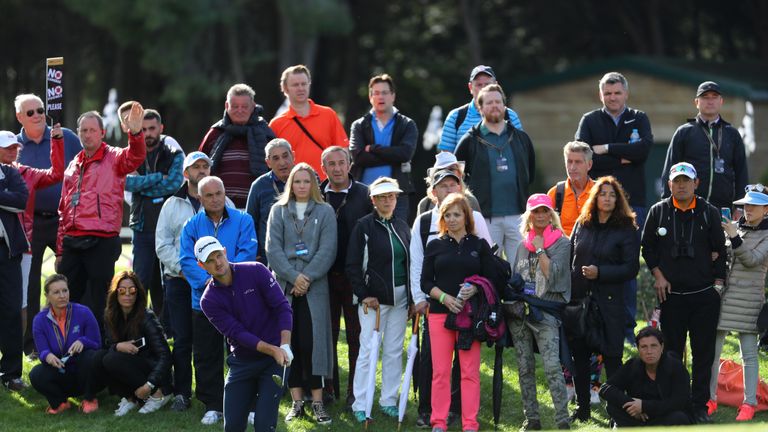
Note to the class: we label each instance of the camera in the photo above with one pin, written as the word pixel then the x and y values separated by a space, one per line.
pixel 682 250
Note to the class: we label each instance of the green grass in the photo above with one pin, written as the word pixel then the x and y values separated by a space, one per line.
pixel 25 411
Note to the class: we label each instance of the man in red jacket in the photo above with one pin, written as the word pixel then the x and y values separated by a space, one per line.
pixel 91 208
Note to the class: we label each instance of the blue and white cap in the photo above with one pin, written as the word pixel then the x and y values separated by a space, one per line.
pixel 682 168
pixel 194 157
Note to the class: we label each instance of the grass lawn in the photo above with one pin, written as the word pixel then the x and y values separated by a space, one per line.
pixel 25 411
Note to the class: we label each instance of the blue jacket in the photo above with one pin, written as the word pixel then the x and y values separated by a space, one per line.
pixel 13 200
pixel 82 327
pixel 236 234
pixel 264 192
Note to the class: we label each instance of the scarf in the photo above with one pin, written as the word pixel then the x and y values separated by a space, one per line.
pixel 253 131
pixel 550 236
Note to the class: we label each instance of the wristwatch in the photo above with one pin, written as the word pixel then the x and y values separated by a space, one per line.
pixel 539 251
pixel 718 288
pixel 151 386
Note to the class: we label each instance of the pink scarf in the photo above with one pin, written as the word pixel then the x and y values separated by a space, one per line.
pixel 550 236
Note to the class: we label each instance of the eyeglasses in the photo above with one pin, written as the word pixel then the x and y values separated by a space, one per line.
pixel 756 188
pixel 32 112
pixel 126 291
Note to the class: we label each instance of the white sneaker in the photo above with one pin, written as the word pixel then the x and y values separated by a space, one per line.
pixel 594 397
pixel 124 407
pixel 153 404
pixel 251 417
pixel 212 417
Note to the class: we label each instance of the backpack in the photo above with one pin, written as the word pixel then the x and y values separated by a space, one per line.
pixel 425 222
pixel 462 114
pixel 559 195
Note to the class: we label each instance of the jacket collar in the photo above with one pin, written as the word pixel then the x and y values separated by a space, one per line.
pixel 98 155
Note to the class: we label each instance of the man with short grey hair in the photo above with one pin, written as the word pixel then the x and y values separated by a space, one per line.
pixel 570 194
pixel 267 188
pixel 35 137
pixel 236 143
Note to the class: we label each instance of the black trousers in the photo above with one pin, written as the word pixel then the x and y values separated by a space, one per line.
pixel 623 419
pixel 90 272
pixel 697 315
pixel 302 345
pixel 44 230
pixel 340 293
pixel 424 375
pixel 127 372
pixel 10 314
pixel 208 354
pixel 581 374
pixel 86 380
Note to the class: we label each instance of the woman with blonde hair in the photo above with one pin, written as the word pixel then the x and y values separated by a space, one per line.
pixel 542 260
pixel 301 247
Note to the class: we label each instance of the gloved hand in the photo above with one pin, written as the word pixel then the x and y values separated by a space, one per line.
pixel 288 352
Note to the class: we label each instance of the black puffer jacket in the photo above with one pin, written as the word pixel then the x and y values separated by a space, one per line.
pixel 615 251
pixel 155 350
pixel 370 256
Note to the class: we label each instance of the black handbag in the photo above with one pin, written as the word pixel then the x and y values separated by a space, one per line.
pixel 575 317
pixel 80 243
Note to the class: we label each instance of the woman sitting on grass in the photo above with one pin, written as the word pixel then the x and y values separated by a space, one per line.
pixel 138 363
pixel 67 337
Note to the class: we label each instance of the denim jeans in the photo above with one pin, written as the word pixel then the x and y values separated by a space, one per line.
pixel 249 381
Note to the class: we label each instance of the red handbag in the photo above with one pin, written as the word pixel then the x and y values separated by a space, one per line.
pixel 730 386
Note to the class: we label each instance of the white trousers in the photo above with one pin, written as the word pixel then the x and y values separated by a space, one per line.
pixel 392 330
pixel 505 232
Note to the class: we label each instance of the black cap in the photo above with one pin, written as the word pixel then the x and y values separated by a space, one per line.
pixel 708 86
pixel 482 69
pixel 442 174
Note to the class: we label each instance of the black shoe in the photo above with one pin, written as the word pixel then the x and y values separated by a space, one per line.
pixel 321 415
pixel 701 417
pixel 530 425
pixel 423 422
pixel 15 385
pixel 180 403
pixel 452 418
pixel 582 415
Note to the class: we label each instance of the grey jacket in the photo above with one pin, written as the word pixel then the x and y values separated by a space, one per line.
pixel 319 237
pixel 556 287
pixel 745 292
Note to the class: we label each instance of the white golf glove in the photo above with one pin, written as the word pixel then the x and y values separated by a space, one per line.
pixel 288 352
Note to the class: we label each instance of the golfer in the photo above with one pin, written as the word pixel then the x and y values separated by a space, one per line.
pixel 246 304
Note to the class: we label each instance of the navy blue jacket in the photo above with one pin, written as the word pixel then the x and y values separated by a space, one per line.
pixel 13 200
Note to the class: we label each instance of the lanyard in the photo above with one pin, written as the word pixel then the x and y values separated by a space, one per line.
pixel 61 339
pixel 343 202
pixel 715 145
pixel 296 225
pixel 489 144
pixel 533 262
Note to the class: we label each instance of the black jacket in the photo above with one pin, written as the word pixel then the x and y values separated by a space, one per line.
pixel 348 211
pixel 616 253
pixel 369 261
pixel 597 128
pixel 145 210
pixel 155 350
pixel 476 171
pixel 690 144
pixel 13 200
pixel 672 381
pixel 685 274
pixel 404 137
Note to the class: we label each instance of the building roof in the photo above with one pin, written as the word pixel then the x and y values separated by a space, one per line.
pixel 744 78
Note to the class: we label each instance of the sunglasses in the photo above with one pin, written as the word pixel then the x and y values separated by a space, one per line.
pixel 756 188
pixel 126 291
pixel 32 112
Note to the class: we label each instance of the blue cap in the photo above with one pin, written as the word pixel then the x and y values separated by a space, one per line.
pixel 194 157
pixel 753 198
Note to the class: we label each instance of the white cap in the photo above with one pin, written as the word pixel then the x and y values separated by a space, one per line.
pixel 385 187
pixel 444 160
pixel 194 157
pixel 204 246
pixel 8 138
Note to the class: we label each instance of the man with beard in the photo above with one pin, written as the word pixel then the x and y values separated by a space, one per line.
pixel 500 165
pixel 153 182
pixel 35 137
pixel 266 189
pixel 175 213
pixel 236 143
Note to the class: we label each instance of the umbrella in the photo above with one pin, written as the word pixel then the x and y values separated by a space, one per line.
pixel 498 377
pixel 373 360
pixel 413 348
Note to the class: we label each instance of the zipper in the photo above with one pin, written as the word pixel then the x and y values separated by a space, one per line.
pixel 98 204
